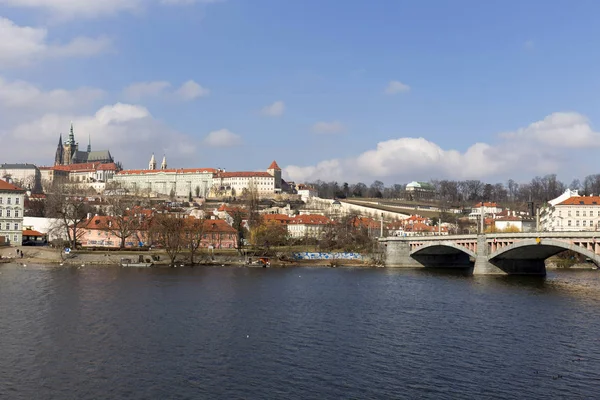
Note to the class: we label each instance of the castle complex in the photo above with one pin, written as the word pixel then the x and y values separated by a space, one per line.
pixel 68 153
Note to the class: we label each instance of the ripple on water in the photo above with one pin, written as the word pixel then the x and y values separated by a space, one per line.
pixel 267 333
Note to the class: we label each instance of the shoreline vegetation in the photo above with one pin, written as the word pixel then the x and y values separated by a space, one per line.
pixel 47 256
pixel 52 257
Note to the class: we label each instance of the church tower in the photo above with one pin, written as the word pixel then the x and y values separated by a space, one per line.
pixel 70 147
pixel 89 148
pixel 163 165
pixel 152 163
pixel 59 157
pixel 275 172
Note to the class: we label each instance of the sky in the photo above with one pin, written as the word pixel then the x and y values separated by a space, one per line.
pixel 359 90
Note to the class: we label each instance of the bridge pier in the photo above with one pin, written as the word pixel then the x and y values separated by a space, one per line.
pixel 482 265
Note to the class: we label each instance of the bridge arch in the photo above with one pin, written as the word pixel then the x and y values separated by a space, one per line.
pixel 438 248
pixel 537 250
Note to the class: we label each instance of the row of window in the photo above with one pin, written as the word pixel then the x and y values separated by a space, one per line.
pixel 15 238
pixel 583 213
pixel 583 223
pixel 9 200
pixel 9 214
pixel 8 226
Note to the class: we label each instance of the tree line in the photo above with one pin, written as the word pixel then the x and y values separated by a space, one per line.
pixel 464 192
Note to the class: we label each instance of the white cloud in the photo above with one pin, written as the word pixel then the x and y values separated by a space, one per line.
pixel 139 90
pixel 80 8
pixel 274 110
pixel 26 96
pixel 561 129
pixel 397 87
pixel 129 131
pixel 536 149
pixel 190 90
pixel 328 127
pixel 66 9
pixel 222 138
pixel 22 45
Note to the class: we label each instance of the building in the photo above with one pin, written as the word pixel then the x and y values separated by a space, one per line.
pixel 514 223
pixel 237 183
pixel 27 176
pixel 579 213
pixel 101 231
pixel 419 190
pixel 51 227
pixel 487 209
pixel 68 152
pixel 306 192
pixel 550 220
pixel 218 234
pixel 308 225
pixel 12 199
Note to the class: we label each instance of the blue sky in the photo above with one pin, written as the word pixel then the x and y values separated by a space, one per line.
pixel 353 90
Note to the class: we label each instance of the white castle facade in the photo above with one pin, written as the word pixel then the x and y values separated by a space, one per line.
pixel 198 182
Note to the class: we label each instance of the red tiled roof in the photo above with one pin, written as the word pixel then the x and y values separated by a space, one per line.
pixel 310 220
pixel 582 200
pixel 274 166
pixel 217 225
pixel 280 218
pixel 9 186
pixel 486 205
pixel 31 232
pixel 158 171
pixel 244 174
pixel 85 167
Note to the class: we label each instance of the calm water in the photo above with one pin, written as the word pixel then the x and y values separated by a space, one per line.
pixel 298 333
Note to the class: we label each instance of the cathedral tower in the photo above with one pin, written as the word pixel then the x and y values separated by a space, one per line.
pixel 163 165
pixel 60 153
pixel 275 172
pixel 152 163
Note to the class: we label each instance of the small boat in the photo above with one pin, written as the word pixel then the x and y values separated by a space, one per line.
pixel 141 263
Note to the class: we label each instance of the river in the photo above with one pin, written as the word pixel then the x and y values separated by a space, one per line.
pixel 296 333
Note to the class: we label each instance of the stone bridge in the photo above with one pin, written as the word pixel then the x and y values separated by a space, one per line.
pixel 494 253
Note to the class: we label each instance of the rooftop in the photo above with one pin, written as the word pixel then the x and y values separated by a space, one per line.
pixel 581 200
pixel 9 187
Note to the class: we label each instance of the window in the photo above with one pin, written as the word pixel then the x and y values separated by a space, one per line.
pixel 7 228
pixel 17 200
pixel 577 223
pixel 16 227
pixel 8 213
pixel 577 213
pixel 569 214
pixel 569 223
pixel 15 238
pixel 0 213
pixel 584 222
pixel 560 213
pixel 8 200
pixel 16 213
pixel 584 213
pixel 1 199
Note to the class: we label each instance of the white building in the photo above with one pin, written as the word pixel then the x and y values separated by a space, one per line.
pixel 579 213
pixel 27 176
pixel 549 218
pixel 11 212
pixel 308 225
pixel 306 192
pixel 515 222
pixel 486 208
pixel 237 183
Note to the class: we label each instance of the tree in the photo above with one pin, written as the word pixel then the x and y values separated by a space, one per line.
pixel 193 232
pixel 124 221
pixel 168 233
pixel 238 225
pixel 376 189
pixel 67 205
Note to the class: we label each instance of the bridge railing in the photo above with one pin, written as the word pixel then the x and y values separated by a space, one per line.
pixel 492 236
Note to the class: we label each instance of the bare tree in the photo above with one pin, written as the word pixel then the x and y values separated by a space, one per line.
pixel 167 231
pixel 66 203
pixel 193 232
pixel 124 221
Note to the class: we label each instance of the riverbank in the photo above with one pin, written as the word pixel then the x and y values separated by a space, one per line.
pixel 50 256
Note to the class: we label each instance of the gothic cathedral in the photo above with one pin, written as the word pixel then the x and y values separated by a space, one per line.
pixel 68 153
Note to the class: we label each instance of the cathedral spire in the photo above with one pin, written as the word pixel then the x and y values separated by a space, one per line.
pixel 59 156
pixel 152 163
pixel 89 148
pixel 71 135
pixel 163 165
